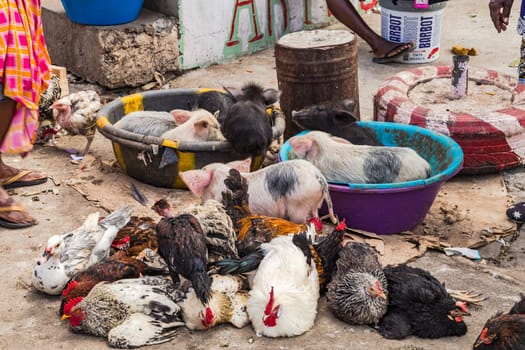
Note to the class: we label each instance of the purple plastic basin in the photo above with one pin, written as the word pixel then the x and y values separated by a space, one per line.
pixel 396 207
pixel 394 210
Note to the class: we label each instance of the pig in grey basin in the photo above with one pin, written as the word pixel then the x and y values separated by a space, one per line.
pixel 395 207
pixel 157 161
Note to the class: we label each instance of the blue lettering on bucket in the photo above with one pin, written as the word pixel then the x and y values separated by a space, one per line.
pixel 394 26
pixel 425 32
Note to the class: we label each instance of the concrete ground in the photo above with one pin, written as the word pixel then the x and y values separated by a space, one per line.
pixel 29 319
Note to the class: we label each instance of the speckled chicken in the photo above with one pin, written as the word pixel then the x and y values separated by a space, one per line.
pixel 215 223
pixel 130 312
pixel 138 234
pixel 182 245
pixel 358 292
pixel 254 229
pixel 227 304
pixel 504 331
pixel 66 255
pixel 47 128
pixel 115 267
pixel 419 305
pixel 77 114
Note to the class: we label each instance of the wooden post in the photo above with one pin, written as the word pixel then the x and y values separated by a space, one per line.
pixel 459 78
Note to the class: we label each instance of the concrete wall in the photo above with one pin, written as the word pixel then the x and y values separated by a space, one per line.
pixel 167 7
pixel 212 31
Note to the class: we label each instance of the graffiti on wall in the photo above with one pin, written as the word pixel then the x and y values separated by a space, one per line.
pixel 237 27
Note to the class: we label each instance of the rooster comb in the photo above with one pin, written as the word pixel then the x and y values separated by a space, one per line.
pixel 72 284
pixel 341 226
pixel 71 303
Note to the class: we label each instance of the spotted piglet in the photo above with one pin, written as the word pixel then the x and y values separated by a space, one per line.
pixel 342 162
pixel 293 190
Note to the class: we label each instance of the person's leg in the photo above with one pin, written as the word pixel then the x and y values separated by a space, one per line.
pixel 346 13
pixel 10 212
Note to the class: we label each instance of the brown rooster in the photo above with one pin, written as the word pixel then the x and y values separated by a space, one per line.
pixel 254 229
pixel 182 245
pixel 116 267
pixel 137 235
pixel 504 331
pixel 77 114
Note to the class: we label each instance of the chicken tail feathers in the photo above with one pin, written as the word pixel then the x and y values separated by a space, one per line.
pixel 118 218
pixel 237 266
pixel 201 283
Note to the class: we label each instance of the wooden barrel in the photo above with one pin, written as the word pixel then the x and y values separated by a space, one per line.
pixel 313 67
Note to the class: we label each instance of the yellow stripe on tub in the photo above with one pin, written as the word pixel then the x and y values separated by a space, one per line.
pixel 118 155
pixel 102 122
pixel 171 144
pixel 186 162
pixel 132 103
pixel 203 90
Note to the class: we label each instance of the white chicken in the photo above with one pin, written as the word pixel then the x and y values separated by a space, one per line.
pixel 129 312
pixel 285 291
pixel 72 252
pixel 77 114
pixel 227 304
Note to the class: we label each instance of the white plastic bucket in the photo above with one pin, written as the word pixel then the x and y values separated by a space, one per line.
pixel 401 22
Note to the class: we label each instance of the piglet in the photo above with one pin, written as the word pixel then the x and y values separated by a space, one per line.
pixel 337 119
pixel 343 162
pixel 246 124
pixel 198 125
pixel 293 190
pixel 151 123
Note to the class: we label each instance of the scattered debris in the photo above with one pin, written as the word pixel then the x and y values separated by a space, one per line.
pixel 138 196
pixel 463 251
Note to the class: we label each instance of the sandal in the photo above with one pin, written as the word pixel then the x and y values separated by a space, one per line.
pixel 14 225
pixel 17 180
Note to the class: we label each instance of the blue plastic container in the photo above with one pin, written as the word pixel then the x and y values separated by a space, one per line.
pixel 102 12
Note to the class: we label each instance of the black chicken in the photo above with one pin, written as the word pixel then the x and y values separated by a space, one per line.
pixel 182 245
pixel 419 305
pixel 504 331
pixel 357 293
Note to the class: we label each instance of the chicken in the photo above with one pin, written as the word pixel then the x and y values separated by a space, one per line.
pixel 216 225
pixel 504 331
pixel 284 292
pixel 182 245
pixel 66 255
pixel 327 249
pixel 130 312
pixel 419 305
pixel 227 304
pixel 47 127
pixel 358 292
pixel 254 229
pixel 77 114
pixel 137 235
pixel 115 267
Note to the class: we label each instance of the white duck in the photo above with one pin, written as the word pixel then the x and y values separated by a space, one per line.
pixel 72 252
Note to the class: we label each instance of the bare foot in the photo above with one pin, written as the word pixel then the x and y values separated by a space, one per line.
pixel 16 218
pixel 387 49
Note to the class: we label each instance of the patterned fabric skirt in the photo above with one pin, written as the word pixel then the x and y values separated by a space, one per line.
pixel 26 69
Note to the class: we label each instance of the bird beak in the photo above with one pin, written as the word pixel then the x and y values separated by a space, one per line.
pixel 65 317
pixel 47 254
pixel 382 295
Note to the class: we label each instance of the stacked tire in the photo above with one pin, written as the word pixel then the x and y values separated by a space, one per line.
pixel 492 141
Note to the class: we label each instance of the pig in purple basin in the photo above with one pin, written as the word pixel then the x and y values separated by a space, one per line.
pixel 390 208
